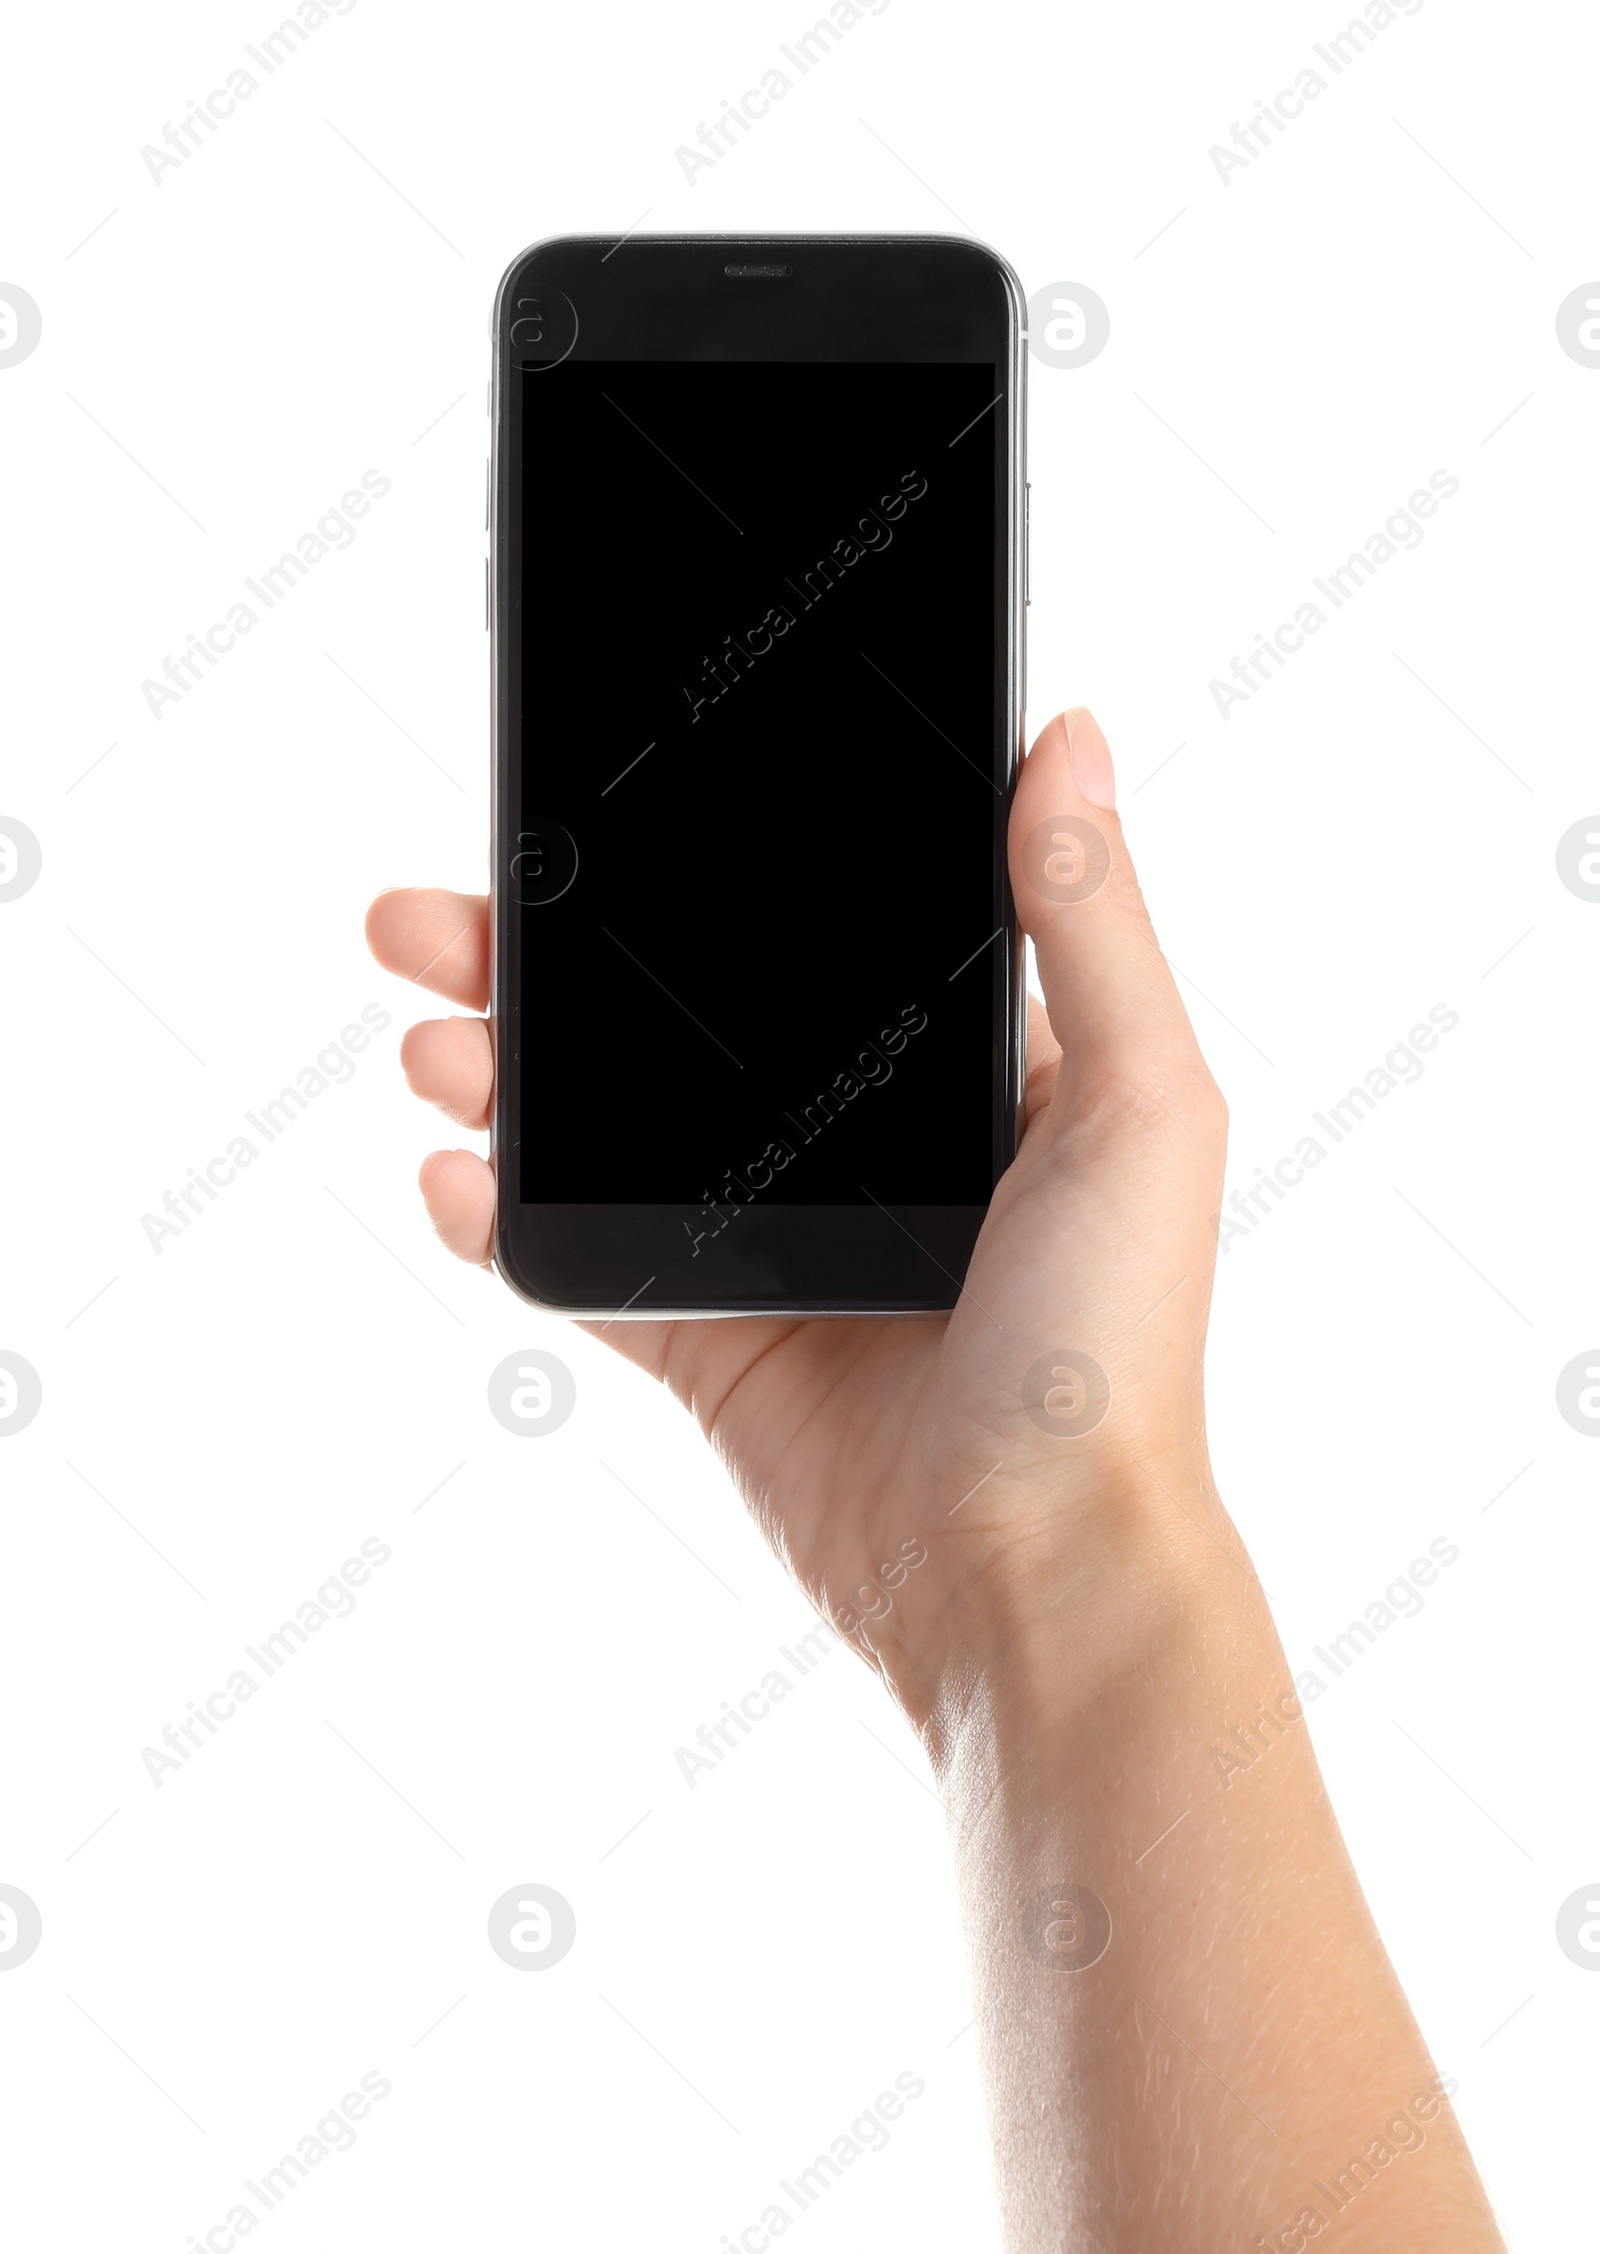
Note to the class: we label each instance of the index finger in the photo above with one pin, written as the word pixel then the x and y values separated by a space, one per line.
pixel 439 940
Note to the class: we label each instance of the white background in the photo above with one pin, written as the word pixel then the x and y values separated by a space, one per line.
pixel 230 350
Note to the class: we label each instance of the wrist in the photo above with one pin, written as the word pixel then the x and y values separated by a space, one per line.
pixel 1072 1604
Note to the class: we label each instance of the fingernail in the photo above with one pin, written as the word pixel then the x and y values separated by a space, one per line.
pixel 1091 758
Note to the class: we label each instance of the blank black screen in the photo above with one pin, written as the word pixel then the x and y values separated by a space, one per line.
pixel 759 667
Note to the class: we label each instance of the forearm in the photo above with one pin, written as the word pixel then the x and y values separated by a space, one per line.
pixel 1209 2079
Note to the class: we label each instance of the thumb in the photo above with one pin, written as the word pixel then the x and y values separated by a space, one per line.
pixel 1113 1003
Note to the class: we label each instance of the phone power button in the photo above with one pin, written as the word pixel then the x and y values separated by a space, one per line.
pixel 1027 543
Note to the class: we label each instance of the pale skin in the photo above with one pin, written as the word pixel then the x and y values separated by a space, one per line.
pixel 1085 1634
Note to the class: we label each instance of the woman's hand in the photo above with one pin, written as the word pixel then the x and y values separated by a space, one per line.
pixel 861 1446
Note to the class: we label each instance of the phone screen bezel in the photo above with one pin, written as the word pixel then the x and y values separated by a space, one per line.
pixel 839 298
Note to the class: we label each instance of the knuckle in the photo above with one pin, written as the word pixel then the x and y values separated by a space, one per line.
pixel 1175 1099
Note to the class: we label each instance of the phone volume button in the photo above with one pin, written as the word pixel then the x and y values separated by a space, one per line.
pixel 486 594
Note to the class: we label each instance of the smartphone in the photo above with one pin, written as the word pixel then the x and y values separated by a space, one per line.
pixel 756 589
